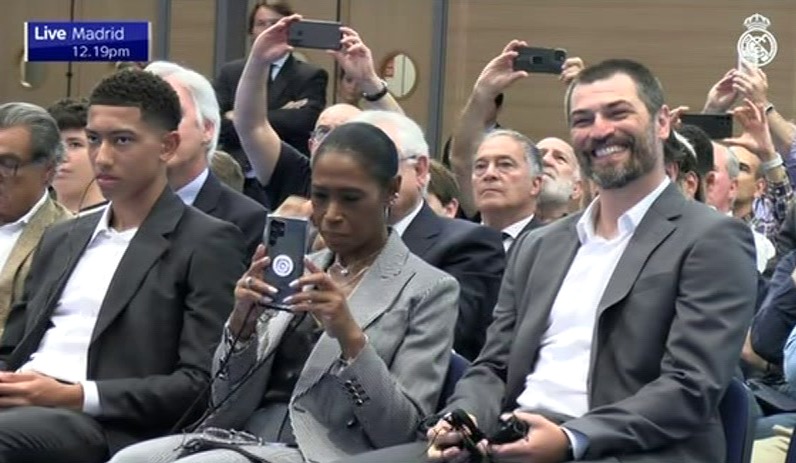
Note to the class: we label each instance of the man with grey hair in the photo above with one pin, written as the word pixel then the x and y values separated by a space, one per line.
pixel 722 191
pixel 471 253
pixel 560 189
pixel 506 182
pixel 189 169
pixel 30 149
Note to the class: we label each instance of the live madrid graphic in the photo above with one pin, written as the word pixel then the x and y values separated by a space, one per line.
pixel 87 41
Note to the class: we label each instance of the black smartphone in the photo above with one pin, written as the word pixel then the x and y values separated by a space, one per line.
pixel 540 60
pixel 322 35
pixel 285 239
pixel 717 126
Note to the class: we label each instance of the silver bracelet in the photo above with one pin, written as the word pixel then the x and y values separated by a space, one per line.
pixel 772 164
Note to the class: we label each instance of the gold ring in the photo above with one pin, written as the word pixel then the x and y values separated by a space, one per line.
pixel 248 282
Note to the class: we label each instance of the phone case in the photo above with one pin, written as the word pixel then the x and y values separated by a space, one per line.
pixel 540 60
pixel 321 35
pixel 717 126
pixel 286 242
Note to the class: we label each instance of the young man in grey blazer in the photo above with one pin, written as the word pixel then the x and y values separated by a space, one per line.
pixel 617 330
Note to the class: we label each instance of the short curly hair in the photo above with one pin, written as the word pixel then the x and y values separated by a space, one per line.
pixel 69 113
pixel 157 100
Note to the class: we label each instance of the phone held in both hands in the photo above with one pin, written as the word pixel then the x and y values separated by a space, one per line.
pixel 717 126
pixel 285 239
pixel 320 35
pixel 540 60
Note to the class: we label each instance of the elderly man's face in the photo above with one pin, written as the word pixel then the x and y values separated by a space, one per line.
pixel 23 181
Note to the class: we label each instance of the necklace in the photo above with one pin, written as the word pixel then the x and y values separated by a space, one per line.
pixel 346 270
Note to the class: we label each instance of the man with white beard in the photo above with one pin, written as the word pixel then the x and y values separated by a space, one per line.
pixel 562 185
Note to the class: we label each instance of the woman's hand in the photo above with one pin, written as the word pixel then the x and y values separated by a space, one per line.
pixel 324 300
pixel 251 295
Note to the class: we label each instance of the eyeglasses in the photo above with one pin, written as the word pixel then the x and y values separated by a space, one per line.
pixel 10 165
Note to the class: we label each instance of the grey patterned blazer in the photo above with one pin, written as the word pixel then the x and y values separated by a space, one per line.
pixel 408 309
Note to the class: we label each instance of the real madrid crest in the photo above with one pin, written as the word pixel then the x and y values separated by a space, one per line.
pixel 757 45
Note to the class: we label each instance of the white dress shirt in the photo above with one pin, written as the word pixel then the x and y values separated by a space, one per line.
pixel 189 192
pixel 401 226
pixel 63 351
pixel 764 250
pixel 559 381
pixel 511 232
pixel 10 232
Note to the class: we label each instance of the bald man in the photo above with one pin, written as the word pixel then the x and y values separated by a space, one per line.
pixel 562 186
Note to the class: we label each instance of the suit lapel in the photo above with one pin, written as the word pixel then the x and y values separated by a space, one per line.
pixel 75 242
pixel 379 287
pixel 277 87
pixel 651 231
pixel 207 199
pixel 422 232
pixel 535 296
pixel 148 244
pixel 47 214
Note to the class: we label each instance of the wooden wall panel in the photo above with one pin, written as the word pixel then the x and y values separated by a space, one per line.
pixel 405 26
pixel 688 44
pixel 49 78
pixel 192 35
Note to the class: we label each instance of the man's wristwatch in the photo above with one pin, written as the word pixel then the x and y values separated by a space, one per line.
pixel 378 95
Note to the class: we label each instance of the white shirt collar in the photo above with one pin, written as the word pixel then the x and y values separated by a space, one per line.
pixel 276 66
pixel 189 192
pixel 22 221
pixel 104 226
pixel 627 222
pixel 403 224
pixel 515 229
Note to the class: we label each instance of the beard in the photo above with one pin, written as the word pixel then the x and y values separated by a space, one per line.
pixel 556 192
pixel 641 161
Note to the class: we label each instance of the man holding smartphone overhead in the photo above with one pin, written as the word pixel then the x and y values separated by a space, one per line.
pixel 296 94
pixel 280 168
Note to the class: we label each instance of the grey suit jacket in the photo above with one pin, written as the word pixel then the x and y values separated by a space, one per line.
pixel 669 331
pixel 408 310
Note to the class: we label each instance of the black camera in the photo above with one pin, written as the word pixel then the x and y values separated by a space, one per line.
pixel 510 430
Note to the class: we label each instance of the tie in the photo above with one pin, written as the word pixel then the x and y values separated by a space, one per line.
pixel 271 69
pixel 506 236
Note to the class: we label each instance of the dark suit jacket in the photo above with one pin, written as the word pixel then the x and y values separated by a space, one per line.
pixel 224 203
pixel 785 241
pixel 471 253
pixel 296 80
pixel 777 316
pixel 152 345
pixel 533 224
pixel 669 331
